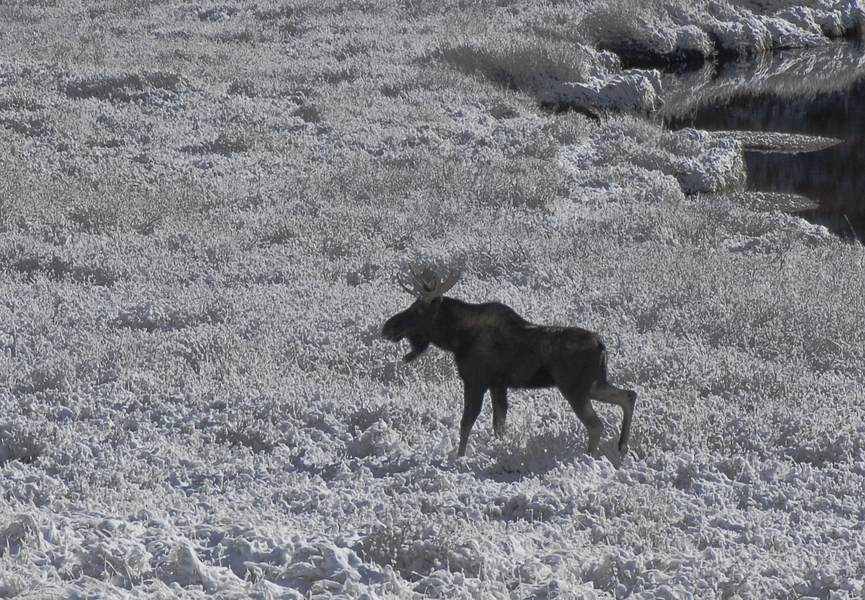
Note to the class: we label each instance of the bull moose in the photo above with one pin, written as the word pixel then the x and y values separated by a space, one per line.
pixel 496 349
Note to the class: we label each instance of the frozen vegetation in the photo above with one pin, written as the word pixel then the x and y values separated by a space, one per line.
pixel 204 209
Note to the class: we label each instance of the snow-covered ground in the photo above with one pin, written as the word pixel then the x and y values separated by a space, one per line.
pixel 204 211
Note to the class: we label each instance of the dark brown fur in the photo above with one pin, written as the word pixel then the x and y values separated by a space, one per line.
pixel 496 349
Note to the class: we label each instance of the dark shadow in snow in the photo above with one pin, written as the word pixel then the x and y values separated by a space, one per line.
pixel 58 269
pixel 130 87
pixel 224 145
pixel 541 454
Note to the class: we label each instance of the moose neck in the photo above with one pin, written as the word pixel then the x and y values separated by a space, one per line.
pixel 452 322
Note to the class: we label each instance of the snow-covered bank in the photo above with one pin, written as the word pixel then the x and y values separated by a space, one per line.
pixel 203 210
pixel 670 32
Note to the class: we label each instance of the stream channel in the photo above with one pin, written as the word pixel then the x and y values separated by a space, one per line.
pixel 813 92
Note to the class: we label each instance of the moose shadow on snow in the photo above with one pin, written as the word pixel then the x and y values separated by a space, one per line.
pixel 513 459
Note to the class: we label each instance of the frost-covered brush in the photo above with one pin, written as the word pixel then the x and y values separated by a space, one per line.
pixel 495 349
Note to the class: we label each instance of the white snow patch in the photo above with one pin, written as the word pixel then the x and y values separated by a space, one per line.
pixel 637 91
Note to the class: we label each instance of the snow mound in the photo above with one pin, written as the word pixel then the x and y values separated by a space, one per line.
pixel 635 91
pixel 698 161
pixel 772 201
pixel 782 143
pixel 675 34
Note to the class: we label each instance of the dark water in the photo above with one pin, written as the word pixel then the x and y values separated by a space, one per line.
pixel 812 92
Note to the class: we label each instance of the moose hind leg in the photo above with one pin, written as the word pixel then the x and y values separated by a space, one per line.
pixel 474 400
pixel 627 399
pixel 499 397
pixel 579 401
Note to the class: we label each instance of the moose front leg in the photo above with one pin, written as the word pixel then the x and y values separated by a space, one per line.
pixel 474 400
pixel 499 396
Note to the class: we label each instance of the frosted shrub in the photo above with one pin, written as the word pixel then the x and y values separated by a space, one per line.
pixel 518 66
pixel 23 441
pixel 644 32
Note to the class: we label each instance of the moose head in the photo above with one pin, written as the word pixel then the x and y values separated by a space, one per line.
pixel 418 322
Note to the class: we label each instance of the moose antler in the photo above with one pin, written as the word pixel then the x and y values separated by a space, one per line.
pixel 428 286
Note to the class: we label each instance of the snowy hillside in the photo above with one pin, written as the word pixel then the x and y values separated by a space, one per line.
pixel 204 213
